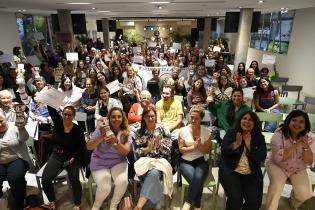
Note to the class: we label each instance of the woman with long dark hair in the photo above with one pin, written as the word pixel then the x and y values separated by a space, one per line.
pixel 292 151
pixel 266 99
pixel 197 95
pixel 228 111
pixel 243 149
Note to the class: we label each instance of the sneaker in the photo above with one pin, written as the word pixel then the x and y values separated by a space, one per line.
pixel 76 207
pixel 51 205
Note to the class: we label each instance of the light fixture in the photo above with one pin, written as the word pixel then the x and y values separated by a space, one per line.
pixel 79 3
pixel 159 7
pixel 93 8
pixel 151 29
pixel 260 1
pixel 103 11
pixel 144 28
pixel 160 2
pixel 163 28
pixel 240 7
pixel 171 28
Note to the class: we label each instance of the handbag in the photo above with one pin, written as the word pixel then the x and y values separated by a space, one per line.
pixel 126 202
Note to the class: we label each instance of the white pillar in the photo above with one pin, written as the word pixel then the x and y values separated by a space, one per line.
pixel 207 33
pixel 242 43
pixel 105 25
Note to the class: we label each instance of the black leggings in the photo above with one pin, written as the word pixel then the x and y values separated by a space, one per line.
pixel 51 171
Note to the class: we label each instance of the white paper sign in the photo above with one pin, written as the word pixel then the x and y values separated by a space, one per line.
pixel 152 44
pixel 51 97
pixel 216 49
pixel 38 36
pixel 209 63
pixel 20 66
pixel 72 56
pixel 138 59
pixel 136 49
pixel 177 46
pixel 248 92
pixel 33 60
pixel 114 86
pixel 268 59
pixel 6 58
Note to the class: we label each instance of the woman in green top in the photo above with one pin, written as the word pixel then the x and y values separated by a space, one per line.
pixel 227 112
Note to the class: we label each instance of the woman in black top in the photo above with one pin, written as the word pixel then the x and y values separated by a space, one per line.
pixel 68 145
pixel 243 149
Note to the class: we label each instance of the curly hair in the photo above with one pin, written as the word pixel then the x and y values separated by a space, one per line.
pixel 124 126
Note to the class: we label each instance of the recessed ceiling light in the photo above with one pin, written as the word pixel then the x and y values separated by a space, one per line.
pixel 240 7
pixel 160 2
pixel 93 8
pixel 79 3
pixel 24 10
pixel 260 1
pixel 171 28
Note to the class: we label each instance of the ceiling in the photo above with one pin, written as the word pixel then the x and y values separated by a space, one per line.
pixel 145 8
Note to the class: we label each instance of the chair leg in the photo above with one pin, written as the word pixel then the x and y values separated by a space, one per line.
pixel 90 185
pixel 182 195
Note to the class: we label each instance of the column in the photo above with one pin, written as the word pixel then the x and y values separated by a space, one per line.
pixel 105 25
pixel 65 23
pixel 206 33
pixel 242 43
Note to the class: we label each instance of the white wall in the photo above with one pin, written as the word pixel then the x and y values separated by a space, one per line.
pixel 299 63
pixel 91 27
pixel 9 32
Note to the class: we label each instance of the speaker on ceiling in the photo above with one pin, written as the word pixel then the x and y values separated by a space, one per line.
pixel 214 24
pixel 78 23
pixel 55 23
pixel 194 36
pixel 119 34
pixel 232 21
pixel 99 26
pixel 112 25
pixel 200 24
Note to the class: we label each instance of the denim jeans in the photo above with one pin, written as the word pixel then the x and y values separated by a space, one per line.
pixel 271 126
pixel 15 172
pixel 195 172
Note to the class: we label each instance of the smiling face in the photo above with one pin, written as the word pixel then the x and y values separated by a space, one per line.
pixel 297 125
pixel 100 77
pixel 115 119
pixel 67 115
pixel 264 84
pixel 198 84
pixel 67 84
pixel 150 118
pixel 237 98
pixel 247 123
pixel 243 83
pixel 104 94
pixel 5 100
pixel 145 101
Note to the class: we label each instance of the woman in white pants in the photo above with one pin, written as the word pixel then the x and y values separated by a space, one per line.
pixel 111 143
pixel 292 151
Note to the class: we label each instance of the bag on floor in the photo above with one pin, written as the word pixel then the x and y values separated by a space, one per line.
pixel 126 202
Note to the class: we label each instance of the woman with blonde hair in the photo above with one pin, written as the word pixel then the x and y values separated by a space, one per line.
pixel 111 143
pixel 195 145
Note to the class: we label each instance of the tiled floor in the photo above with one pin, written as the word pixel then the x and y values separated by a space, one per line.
pixel 64 195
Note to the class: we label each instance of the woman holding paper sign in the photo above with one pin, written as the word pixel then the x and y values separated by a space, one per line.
pixel 68 146
pixel 73 93
pixel 105 103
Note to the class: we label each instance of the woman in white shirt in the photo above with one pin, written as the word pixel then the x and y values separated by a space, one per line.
pixel 194 144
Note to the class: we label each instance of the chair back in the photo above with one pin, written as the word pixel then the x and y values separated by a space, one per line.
pixel 312 121
pixel 81 117
pixel 291 88
pixel 275 117
pixel 308 100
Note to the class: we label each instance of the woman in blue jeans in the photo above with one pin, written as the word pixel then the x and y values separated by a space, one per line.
pixel 194 144
pixel 266 99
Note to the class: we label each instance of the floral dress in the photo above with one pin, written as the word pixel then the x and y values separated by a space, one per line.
pixel 141 141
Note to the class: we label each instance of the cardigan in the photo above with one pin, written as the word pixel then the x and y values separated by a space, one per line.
pixel 256 154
